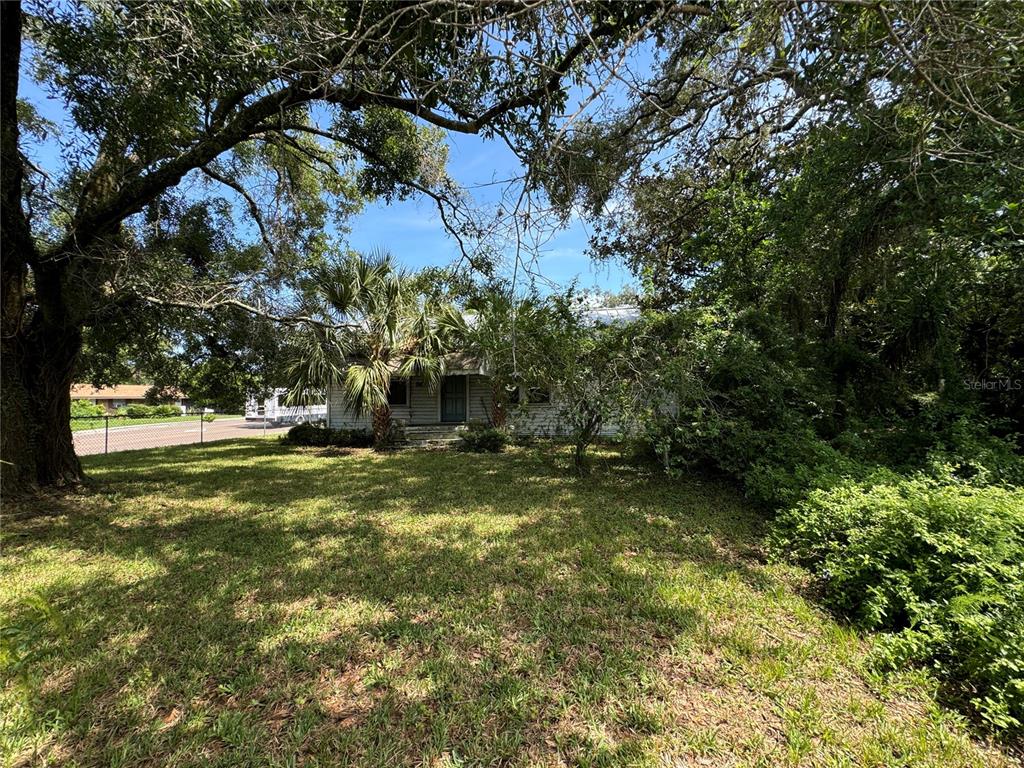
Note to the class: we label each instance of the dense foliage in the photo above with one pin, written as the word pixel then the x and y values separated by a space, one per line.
pixel 312 435
pixel 483 438
pixel 833 264
pixel 82 408
pixel 938 564
pixel 912 516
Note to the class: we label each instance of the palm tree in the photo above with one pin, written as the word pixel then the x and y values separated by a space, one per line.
pixel 375 326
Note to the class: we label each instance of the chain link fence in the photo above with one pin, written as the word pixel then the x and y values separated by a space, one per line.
pixel 112 433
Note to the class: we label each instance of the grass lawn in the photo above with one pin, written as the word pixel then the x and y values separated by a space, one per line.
pixel 248 604
pixel 78 423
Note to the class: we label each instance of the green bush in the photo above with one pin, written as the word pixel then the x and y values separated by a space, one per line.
pixel 938 565
pixel 482 438
pixel 776 465
pixel 322 437
pixel 940 434
pixel 790 464
pixel 81 408
pixel 138 411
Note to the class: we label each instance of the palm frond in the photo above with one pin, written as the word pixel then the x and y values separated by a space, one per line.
pixel 367 385
pixel 389 323
pixel 318 365
pixel 431 368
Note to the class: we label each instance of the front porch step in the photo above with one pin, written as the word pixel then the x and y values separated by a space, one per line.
pixel 432 435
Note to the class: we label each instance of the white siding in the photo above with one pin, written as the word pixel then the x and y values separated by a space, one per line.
pixel 425 404
pixel 540 419
pixel 340 416
pixel 423 408
pixel 479 398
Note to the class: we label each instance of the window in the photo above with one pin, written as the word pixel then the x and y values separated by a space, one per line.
pixel 534 395
pixel 398 394
pixel 281 399
pixel 538 396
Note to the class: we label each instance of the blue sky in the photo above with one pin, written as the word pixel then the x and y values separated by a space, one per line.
pixel 412 229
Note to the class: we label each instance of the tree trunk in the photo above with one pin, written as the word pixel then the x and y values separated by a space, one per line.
pixel 38 343
pixel 499 415
pixel 41 315
pixel 584 437
pixel 38 370
pixel 381 427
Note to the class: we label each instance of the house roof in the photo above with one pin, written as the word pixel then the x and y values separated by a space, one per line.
pixel 462 362
pixel 116 392
pixel 612 315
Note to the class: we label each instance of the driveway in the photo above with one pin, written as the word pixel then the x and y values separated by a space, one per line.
pixel 130 438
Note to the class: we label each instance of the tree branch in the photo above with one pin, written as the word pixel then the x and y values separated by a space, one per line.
pixel 254 209
pixel 215 304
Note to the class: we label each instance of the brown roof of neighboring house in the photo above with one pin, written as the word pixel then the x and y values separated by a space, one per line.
pixel 116 392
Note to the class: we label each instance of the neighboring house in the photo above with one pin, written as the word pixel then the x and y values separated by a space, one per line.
pixel 121 395
pixel 464 395
pixel 274 410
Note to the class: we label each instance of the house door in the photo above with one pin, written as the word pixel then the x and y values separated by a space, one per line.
pixel 453 398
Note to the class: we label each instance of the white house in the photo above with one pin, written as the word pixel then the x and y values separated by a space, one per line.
pixel 465 395
pixel 273 409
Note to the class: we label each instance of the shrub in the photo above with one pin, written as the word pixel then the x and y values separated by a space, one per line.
pixel 776 466
pixel 81 408
pixel 307 434
pixel 322 437
pixel 939 434
pixel 149 411
pixel 938 565
pixel 482 438
pixel 790 464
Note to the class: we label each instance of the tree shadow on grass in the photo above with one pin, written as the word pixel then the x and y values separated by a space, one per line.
pixel 363 608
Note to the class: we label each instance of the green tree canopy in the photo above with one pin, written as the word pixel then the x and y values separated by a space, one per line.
pixel 294 113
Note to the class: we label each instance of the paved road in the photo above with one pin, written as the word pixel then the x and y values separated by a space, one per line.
pixel 129 438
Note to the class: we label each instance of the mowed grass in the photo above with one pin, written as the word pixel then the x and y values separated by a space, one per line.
pixel 247 604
